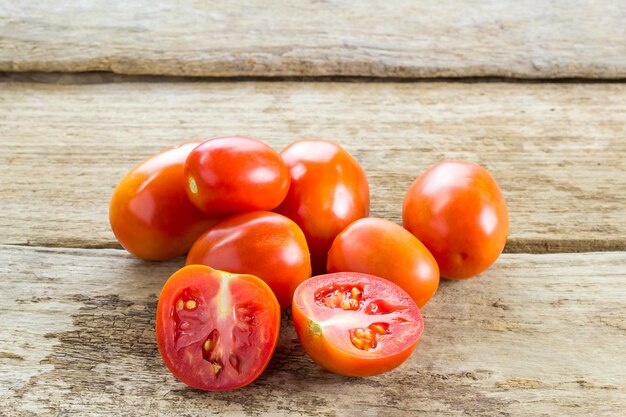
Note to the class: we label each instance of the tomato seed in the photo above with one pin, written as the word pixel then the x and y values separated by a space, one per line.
pixel 191 304
pixel 208 345
pixel 217 368
pixel 180 304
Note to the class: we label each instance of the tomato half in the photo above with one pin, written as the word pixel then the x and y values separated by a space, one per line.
pixel 328 191
pixel 356 324
pixel 234 174
pixel 150 213
pixel 457 210
pixel 382 248
pixel 261 243
pixel 215 330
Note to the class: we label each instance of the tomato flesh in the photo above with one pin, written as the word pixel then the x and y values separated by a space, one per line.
pixel 215 330
pixel 356 324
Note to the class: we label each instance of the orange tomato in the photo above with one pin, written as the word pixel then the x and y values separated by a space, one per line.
pixel 150 213
pixel 267 245
pixel 457 210
pixel 382 248
pixel 328 191
pixel 234 174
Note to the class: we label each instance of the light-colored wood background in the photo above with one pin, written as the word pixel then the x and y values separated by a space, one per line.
pixel 382 38
pixel 81 340
pixel 558 151
pixel 542 332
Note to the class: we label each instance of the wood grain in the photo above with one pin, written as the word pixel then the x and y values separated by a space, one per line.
pixel 379 38
pixel 557 151
pixel 534 335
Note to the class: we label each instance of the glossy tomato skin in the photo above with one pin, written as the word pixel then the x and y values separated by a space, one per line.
pixel 356 324
pixel 457 210
pixel 216 331
pixel 328 191
pixel 261 243
pixel 235 174
pixel 379 247
pixel 150 213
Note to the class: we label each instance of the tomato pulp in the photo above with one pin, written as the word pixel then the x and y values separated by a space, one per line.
pixel 215 330
pixel 328 191
pixel 384 249
pixel 457 210
pixel 261 243
pixel 356 324
pixel 150 213
pixel 235 174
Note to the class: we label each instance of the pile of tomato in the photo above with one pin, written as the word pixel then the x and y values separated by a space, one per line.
pixel 264 230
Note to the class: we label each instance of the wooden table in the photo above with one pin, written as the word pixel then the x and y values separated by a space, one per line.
pixel 542 332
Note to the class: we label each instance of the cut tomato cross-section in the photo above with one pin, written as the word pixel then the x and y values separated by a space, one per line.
pixel 215 330
pixel 356 324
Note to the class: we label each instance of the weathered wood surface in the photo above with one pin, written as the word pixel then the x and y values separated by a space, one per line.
pixel 534 335
pixel 557 151
pixel 380 38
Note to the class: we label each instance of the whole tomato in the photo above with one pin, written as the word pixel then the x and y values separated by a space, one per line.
pixel 356 324
pixel 234 174
pixel 260 243
pixel 215 330
pixel 328 191
pixel 457 210
pixel 382 248
pixel 150 213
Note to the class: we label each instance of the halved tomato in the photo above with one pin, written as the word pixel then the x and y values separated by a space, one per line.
pixel 215 330
pixel 356 324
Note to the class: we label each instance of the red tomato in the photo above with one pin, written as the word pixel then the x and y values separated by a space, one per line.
pixel 260 243
pixel 150 213
pixel 356 324
pixel 235 174
pixel 216 331
pixel 382 248
pixel 328 191
pixel 457 210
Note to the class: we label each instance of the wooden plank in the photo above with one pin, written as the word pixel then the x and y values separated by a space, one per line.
pixel 379 38
pixel 534 335
pixel 557 151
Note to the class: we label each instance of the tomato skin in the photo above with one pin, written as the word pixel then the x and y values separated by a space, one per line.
pixel 457 210
pixel 236 308
pixel 150 213
pixel 382 248
pixel 328 191
pixel 234 174
pixel 260 243
pixel 325 332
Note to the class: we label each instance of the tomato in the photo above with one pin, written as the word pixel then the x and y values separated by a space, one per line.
pixel 382 248
pixel 267 245
pixel 328 191
pixel 234 174
pixel 356 324
pixel 215 330
pixel 150 213
pixel 457 210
